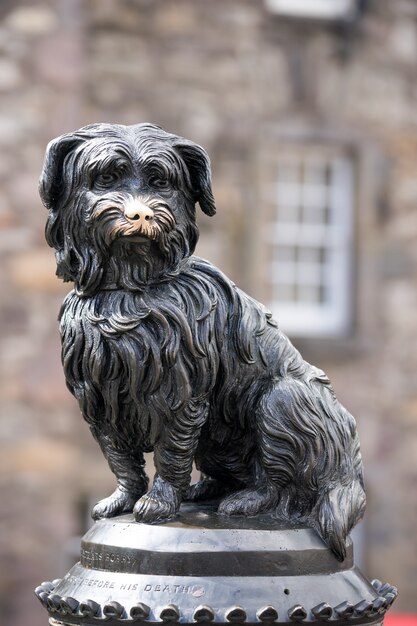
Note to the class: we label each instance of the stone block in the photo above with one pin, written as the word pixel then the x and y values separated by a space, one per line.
pixel 32 21
pixel 34 270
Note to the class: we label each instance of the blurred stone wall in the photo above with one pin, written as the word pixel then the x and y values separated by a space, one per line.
pixel 45 463
pixel 244 84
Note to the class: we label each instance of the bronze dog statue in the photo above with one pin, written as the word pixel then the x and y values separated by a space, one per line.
pixel 165 354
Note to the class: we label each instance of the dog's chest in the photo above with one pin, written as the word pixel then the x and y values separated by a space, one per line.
pixel 129 357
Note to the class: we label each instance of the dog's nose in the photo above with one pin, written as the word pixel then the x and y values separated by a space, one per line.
pixel 136 211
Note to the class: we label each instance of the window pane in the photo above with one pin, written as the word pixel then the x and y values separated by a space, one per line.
pixel 310 255
pixel 285 253
pixel 315 173
pixel 314 197
pixel 308 293
pixel 289 172
pixel 284 273
pixel 288 213
pixel 314 214
pixel 309 274
pixel 284 293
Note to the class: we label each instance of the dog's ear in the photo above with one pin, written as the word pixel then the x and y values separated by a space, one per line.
pixel 55 186
pixel 198 164
pixel 51 182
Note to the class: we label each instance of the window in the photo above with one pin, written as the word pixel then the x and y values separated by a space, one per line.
pixel 314 9
pixel 311 237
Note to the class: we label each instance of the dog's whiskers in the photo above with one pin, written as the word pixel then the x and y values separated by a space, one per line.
pixel 123 229
pixel 109 208
pixel 110 212
pixel 165 219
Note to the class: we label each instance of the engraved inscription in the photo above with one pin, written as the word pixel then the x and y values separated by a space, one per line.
pixel 129 587
pixel 94 558
pixel 99 583
pixel 195 590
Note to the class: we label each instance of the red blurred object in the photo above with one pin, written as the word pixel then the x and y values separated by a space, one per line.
pixel 399 619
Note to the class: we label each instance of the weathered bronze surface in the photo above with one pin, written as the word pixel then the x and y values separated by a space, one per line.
pixel 165 354
pixel 203 567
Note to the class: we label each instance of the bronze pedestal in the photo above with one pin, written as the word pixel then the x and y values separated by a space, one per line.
pixel 202 567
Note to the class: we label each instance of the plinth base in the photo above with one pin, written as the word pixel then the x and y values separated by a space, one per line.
pixel 201 567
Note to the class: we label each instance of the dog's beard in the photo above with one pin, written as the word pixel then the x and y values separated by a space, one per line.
pixel 134 254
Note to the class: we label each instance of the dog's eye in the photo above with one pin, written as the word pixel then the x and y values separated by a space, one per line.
pixel 159 183
pixel 106 179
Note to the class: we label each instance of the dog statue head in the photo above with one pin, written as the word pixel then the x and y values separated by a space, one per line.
pixel 121 203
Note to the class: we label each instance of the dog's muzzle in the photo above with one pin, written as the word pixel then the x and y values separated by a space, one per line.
pixel 137 219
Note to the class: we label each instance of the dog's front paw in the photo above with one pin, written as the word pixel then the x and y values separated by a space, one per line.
pixel 119 502
pixel 160 503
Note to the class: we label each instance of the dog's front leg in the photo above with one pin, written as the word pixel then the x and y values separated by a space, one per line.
pixel 128 465
pixel 174 455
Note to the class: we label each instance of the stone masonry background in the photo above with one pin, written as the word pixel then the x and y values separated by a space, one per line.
pixel 241 82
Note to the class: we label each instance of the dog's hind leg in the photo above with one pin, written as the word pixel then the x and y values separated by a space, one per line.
pixel 250 501
pixel 308 448
pixel 276 456
pixel 174 455
pixel 132 482
pixel 222 469
pixel 207 488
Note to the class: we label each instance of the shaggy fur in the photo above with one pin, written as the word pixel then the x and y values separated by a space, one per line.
pixel 165 354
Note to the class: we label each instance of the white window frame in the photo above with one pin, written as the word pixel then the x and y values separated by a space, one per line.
pixel 332 316
pixel 314 9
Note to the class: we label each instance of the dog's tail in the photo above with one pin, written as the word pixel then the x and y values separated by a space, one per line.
pixel 336 513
